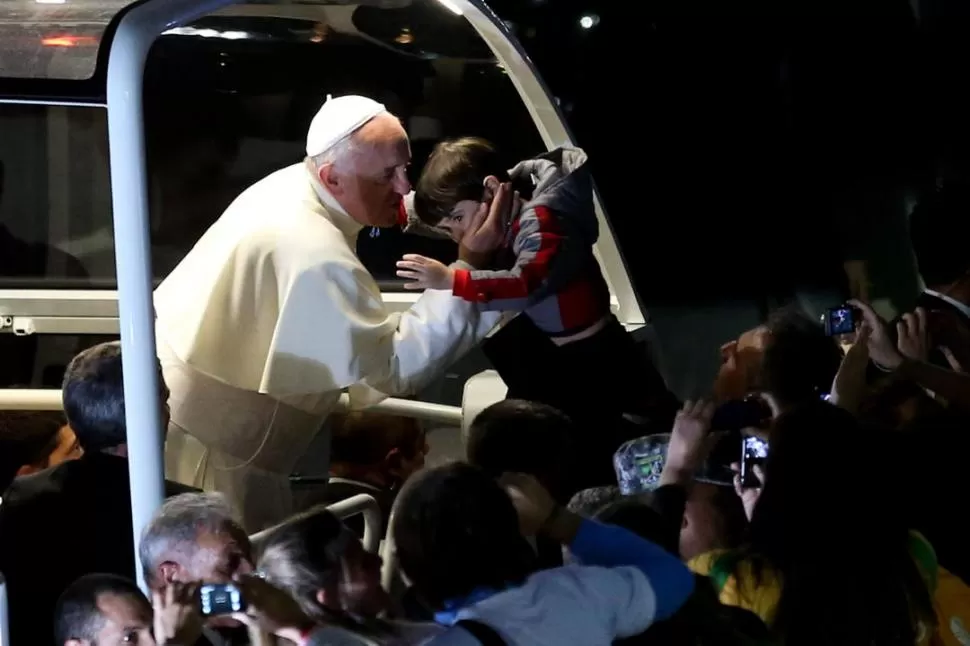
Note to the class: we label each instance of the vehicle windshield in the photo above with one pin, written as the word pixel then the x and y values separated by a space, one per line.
pixel 228 99
pixel 53 39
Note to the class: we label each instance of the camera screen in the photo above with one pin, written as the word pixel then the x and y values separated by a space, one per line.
pixel 754 451
pixel 755 448
pixel 220 600
pixel 841 321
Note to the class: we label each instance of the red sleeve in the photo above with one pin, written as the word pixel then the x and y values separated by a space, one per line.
pixel 460 286
pixel 537 243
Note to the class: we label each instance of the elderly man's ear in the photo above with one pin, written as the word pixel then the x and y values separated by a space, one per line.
pixel 168 572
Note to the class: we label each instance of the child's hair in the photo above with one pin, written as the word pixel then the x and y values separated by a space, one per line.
pixel 455 171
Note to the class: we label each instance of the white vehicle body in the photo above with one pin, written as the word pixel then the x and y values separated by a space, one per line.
pixel 123 36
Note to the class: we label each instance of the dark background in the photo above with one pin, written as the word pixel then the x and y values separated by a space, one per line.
pixel 745 147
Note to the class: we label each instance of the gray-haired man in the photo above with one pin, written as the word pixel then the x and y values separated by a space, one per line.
pixel 194 537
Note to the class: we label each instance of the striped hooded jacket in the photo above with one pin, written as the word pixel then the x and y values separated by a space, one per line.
pixel 553 278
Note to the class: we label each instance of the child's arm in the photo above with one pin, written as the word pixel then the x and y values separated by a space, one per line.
pixel 536 244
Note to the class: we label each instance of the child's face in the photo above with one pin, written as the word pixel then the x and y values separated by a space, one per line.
pixel 461 215
pixel 464 211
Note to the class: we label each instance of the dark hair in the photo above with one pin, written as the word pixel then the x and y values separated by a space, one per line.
pixel 941 256
pixel 516 436
pixel 456 530
pixel 299 556
pixel 365 438
pixel 799 361
pixel 833 528
pixel 588 502
pixel 455 171
pixel 311 530
pixel 77 616
pixel 94 397
pixel 29 436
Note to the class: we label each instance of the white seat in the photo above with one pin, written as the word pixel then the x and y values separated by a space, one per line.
pixel 481 391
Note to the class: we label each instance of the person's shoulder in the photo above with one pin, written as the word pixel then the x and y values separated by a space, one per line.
pixel 27 488
pixel 283 206
pixel 580 581
pixel 35 506
pixel 704 563
pixel 936 306
pixel 277 185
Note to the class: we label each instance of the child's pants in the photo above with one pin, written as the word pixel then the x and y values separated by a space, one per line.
pixel 596 381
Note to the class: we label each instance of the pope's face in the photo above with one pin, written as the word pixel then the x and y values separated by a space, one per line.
pixel 372 183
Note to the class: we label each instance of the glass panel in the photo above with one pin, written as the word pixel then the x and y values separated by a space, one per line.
pixel 55 198
pixel 228 101
pixel 39 361
pixel 229 98
pixel 53 39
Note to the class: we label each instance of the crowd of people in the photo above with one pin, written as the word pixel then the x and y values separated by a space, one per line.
pixel 808 500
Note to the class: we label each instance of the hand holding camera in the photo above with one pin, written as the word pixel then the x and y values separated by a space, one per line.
pixel 176 616
pixel 690 442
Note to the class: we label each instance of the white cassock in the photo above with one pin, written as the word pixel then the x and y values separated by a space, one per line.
pixel 265 322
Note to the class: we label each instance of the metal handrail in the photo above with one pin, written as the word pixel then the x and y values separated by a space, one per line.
pixel 362 503
pixel 373 523
pixel 51 399
pixel 389 557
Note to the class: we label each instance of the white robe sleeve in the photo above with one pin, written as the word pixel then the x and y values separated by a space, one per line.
pixel 333 315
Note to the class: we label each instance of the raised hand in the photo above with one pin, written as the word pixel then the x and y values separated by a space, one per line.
pixel 912 335
pixel 690 441
pixel 425 273
pixel 882 350
pixel 486 230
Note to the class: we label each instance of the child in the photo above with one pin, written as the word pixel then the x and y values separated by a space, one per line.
pixel 553 276
pixel 576 356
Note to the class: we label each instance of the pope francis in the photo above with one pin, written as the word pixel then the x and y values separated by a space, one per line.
pixel 272 315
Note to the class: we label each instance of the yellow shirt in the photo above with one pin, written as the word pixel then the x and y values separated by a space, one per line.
pixel 762 598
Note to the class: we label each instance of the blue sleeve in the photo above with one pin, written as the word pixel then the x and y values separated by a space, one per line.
pixel 612 546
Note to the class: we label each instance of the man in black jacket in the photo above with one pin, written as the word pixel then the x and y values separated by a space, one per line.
pixel 73 518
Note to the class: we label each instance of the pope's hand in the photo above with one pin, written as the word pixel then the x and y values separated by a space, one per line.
pixel 486 230
pixel 426 273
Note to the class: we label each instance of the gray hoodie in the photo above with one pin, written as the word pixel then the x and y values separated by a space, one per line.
pixel 555 279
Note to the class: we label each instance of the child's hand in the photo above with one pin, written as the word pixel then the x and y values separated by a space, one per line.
pixel 427 273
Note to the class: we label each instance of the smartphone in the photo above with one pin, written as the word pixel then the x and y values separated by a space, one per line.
pixel 841 320
pixel 220 599
pixel 754 450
